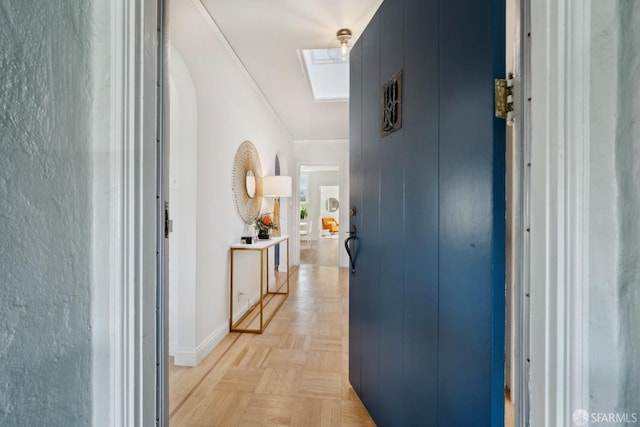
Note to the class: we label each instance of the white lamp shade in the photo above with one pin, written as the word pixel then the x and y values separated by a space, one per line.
pixel 276 186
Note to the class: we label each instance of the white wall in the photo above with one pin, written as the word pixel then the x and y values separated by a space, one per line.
pixel 604 366
pixel 628 177
pixel 614 229
pixel 47 93
pixel 229 111
pixel 323 153
pixel 183 113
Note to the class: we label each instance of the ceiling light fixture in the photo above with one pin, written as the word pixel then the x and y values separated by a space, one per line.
pixel 344 35
pixel 340 53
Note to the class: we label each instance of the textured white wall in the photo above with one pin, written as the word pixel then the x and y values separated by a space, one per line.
pixel 614 319
pixel 45 213
pixel 230 110
pixel 628 181
pixel 604 367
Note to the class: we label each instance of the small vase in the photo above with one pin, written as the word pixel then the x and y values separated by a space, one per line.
pixel 263 234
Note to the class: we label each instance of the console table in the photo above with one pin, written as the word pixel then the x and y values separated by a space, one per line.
pixel 262 247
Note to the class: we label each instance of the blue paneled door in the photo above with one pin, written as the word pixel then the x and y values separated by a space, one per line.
pixel 427 297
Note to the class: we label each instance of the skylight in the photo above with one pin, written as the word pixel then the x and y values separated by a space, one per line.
pixel 328 73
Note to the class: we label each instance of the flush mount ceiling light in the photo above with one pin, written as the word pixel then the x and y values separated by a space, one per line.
pixel 339 47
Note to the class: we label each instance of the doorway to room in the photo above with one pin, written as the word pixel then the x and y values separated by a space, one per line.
pixel 319 245
pixel 319 201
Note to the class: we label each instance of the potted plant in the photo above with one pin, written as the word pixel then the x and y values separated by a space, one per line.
pixel 303 212
pixel 264 223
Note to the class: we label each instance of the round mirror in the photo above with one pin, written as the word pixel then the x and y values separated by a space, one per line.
pixel 250 184
pixel 331 204
pixel 245 186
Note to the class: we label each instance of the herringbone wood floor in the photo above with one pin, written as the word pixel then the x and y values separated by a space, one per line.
pixel 294 374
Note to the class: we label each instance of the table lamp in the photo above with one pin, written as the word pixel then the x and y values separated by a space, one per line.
pixel 276 187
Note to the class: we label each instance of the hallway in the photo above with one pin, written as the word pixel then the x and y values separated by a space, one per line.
pixel 294 374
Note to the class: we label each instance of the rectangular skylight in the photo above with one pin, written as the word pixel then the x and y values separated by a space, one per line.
pixel 328 73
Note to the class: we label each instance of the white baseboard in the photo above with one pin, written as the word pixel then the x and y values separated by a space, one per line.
pixel 172 348
pixel 189 356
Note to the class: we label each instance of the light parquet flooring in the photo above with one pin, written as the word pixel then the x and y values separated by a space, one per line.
pixel 323 251
pixel 294 374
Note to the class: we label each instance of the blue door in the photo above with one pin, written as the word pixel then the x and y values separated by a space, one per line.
pixel 427 184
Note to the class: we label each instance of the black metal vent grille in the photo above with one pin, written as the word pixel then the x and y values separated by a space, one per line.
pixel 391 105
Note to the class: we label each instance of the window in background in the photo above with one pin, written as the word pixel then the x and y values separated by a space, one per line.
pixel 304 188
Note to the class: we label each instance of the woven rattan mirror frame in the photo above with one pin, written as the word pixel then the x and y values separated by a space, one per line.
pixel 246 160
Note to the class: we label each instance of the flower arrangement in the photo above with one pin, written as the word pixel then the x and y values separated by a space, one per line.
pixel 264 222
pixel 303 212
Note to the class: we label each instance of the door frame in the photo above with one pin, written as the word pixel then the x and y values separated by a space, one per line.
pixel 559 209
pixel 163 222
pixel 559 301
pixel 521 193
pixel 126 216
pixel 344 196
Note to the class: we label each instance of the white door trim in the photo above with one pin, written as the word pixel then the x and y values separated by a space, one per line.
pixel 559 209
pixel 125 226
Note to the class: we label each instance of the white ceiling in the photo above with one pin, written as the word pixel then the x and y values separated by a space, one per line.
pixel 267 36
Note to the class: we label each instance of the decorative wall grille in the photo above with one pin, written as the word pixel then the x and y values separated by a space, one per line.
pixel 391 105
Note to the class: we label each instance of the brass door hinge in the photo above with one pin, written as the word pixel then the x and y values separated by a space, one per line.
pixel 504 98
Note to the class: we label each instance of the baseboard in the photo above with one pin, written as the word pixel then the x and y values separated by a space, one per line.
pixel 189 356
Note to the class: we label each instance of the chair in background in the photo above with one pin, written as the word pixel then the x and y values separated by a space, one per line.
pixel 330 224
pixel 305 231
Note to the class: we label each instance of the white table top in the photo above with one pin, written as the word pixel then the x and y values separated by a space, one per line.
pixel 260 244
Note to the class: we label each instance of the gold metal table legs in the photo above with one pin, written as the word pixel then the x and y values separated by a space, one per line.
pixel 265 297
